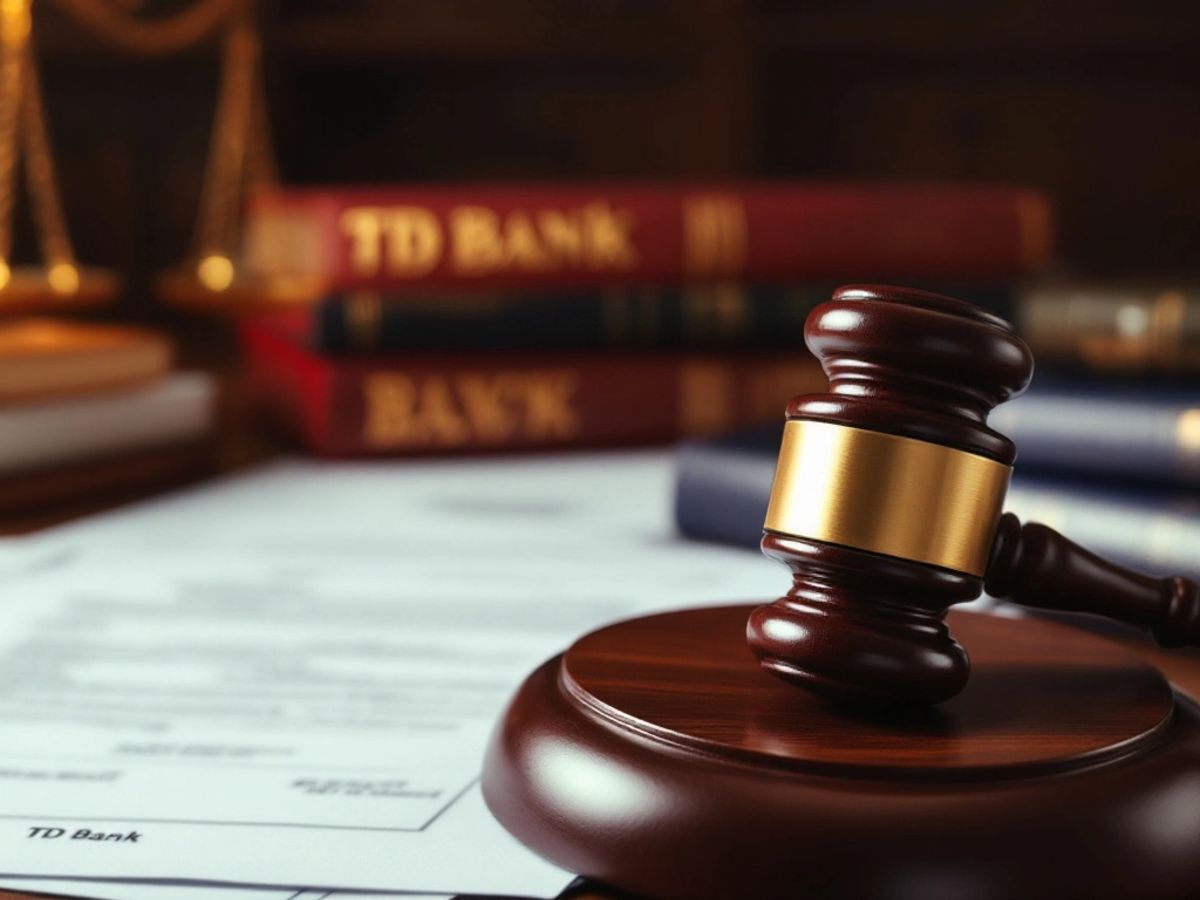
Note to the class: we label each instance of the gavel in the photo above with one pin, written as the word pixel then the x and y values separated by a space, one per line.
pixel 887 506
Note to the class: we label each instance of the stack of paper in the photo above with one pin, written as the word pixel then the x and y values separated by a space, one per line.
pixel 282 686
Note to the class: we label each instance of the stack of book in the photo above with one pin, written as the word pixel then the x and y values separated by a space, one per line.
pixel 1108 435
pixel 478 317
pixel 94 410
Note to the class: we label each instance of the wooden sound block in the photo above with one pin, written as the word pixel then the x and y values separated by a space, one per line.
pixel 656 756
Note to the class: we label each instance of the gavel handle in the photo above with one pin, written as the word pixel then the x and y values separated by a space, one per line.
pixel 1036 566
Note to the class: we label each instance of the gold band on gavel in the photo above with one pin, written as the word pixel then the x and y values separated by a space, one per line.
pixel 888 494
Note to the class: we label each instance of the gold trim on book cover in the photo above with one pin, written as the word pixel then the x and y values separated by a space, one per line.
pixel 1166 328
pixel 714 235
pixel 364 320
pixel 736 244
pixel 1036 224
pixel 887 494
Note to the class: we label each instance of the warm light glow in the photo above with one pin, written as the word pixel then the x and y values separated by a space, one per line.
pixel 5 274
pixel 16 20
pixel 1187 429
pixel 215 272
pixel 63 278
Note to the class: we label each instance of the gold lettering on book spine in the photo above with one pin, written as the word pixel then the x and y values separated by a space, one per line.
pixel 410 241
pixel 700 236
pixel 563 236
pixel 1035 225
pixel 595 236
pixel 401 411
pixel 475 240
pixel 609 237
pixel 403 241
pixel 736 232
pixel 715 239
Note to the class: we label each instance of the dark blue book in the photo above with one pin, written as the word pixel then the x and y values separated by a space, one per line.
pixel 723 484
pixel 1124 431
pixel 722 487
pixel 700 317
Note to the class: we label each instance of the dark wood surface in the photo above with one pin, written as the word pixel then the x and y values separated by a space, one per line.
pixel 71 490
pixel 1042 699
pixel 626 760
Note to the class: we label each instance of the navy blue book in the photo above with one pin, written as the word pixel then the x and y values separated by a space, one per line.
pixel 1125 431
pixel 722 487
pixel 700 316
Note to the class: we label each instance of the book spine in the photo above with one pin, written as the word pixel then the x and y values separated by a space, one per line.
pixel 560 236
pixel 1133 330
pixel 177 410
pixel 1136 435
pixel 700 317
pixel 449 403
pixel 1154 533
pixel 722 491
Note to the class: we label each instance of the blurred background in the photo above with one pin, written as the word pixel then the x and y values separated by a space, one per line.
pixel 1036 158
pixel 1094 103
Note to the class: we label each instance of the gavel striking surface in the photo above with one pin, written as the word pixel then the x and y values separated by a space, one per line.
pixel 655 755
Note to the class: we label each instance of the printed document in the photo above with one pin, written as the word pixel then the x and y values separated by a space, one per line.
pixel 125 890
pixel 288 679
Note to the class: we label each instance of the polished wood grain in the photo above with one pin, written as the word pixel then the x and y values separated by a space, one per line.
pixel 1036 566
pixel 68 490
pixel 914 363
pixel 1041 700
pixel 856 624
pixel 1066 769
pixel 867 627
pixel 861 626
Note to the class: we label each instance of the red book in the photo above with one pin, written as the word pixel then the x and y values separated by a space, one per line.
pixel 439 402
pixel 572 235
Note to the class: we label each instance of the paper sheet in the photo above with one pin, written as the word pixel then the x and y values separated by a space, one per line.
pixel 124 890
pixel 289 679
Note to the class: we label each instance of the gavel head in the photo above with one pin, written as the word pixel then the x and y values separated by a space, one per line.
pixel 888 493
